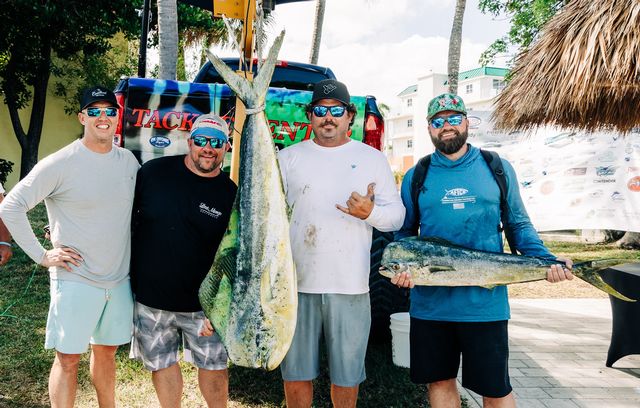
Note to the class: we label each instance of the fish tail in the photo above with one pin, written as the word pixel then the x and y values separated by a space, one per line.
pixel 262 80
pixel 588 272
pixel 251 94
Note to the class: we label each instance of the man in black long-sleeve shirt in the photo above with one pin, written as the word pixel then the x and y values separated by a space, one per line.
pixel 182 207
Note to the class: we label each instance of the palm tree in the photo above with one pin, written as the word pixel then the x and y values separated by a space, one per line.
pixel 317 31
pixel 168 38
pixel 455 40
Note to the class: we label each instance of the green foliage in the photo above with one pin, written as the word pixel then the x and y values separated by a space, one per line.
pixel 6 167
pixel 80 71
pixel 527 19
pixel 72 29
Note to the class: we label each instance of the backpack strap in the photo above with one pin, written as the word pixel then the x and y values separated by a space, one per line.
pixel 495 164
pixel 417 185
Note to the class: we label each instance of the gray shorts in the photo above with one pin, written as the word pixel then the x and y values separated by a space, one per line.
pixel 157 335
pixel 345 321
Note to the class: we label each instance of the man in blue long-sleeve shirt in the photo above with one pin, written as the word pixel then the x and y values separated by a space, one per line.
pixel 460 202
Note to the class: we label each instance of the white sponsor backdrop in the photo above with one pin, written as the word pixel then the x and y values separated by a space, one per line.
pixel 571 180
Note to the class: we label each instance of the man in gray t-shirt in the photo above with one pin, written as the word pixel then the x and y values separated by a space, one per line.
pixel 88 189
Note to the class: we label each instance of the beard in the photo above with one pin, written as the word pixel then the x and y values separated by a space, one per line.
pixel 452 145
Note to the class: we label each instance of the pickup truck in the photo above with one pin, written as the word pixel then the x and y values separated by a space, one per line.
pixel 158 114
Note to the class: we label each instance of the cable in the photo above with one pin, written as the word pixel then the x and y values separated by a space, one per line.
pixel 33 274
pixel 24 292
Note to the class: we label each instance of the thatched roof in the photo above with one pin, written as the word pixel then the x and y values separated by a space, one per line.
pixel 583 72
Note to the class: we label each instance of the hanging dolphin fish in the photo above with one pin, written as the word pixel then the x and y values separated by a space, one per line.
pixel 250 293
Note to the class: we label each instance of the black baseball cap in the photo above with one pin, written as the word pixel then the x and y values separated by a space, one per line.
pixel 97 94
pixel 331 89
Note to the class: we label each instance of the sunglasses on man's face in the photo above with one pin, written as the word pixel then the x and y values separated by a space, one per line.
pixel 336 111
pixel 94 112
pixel 201 141
pixel 454 120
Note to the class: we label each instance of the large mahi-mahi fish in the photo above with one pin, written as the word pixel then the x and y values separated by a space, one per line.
pixel 437 262
pixel 250 293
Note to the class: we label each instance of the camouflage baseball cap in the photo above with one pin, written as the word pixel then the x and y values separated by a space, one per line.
pixel 445 102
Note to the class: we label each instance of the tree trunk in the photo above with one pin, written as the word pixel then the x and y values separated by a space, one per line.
pixel 30 141
pixel 630 240
pixel 455 40
pixel 168 38
pixel 317 32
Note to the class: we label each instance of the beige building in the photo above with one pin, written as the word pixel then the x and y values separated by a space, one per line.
pixel 59 129
pixel 407 138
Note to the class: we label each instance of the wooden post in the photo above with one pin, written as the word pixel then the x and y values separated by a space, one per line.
pixel 244 10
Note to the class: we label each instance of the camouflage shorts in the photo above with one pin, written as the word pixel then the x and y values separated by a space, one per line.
pixel 157 335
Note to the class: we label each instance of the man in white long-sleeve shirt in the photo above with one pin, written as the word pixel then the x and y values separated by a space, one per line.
pixel 339 189
pixel 87 188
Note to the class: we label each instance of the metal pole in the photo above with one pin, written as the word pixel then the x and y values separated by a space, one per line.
pixel 142 60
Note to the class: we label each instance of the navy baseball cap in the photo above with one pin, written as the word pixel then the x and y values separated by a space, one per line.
pixel 97 94
pixel 331 89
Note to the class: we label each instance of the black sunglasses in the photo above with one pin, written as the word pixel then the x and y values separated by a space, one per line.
pixel 201 141
pixel 336 111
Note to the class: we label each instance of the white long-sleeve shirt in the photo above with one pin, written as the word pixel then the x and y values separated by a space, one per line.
pixel 88 196
pixel 330 248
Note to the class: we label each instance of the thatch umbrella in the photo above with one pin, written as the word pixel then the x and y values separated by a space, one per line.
pixel 582 73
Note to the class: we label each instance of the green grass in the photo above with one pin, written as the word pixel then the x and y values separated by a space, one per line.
pixel 24 364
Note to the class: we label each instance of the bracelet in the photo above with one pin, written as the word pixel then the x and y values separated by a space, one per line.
pixel 6 244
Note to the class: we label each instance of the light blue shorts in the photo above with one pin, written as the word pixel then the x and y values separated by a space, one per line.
pixel 345 321
pixel 81 314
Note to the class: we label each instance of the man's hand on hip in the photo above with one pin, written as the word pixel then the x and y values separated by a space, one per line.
pixel 61 257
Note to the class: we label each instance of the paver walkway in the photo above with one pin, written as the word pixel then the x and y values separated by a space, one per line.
pixel 558 349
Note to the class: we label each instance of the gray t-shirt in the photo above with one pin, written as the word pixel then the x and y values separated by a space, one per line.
pixel 88 196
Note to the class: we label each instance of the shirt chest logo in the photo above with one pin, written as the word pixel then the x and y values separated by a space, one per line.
pixel 211 212
pixel 457 197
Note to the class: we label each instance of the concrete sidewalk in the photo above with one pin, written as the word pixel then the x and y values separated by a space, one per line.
pixel 558 352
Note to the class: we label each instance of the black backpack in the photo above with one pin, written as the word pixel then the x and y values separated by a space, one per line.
pixel 494 163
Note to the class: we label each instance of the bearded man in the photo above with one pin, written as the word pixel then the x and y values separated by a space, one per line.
pixel 460 201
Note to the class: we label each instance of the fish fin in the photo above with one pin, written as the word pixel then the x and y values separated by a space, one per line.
pixel 441 268
pixel 262 80
pixel 252 95
pixel 223 267
pixel 588 272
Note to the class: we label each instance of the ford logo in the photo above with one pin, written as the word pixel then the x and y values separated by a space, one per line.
pixel 160 141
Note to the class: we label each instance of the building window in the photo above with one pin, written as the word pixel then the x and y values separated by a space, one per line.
pixel 409 143
pixel 468 88
pixel 498 84
pixel 409 102
pixel 409 123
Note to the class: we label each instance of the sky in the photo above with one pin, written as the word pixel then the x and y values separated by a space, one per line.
pixel 379 47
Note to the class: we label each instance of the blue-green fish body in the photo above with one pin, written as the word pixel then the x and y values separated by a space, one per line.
pixel 436 262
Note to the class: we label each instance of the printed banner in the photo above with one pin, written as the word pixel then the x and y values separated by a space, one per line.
pixel 570 180
pixel 158 115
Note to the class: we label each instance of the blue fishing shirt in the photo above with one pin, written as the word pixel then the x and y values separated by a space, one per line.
pixel 462 205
